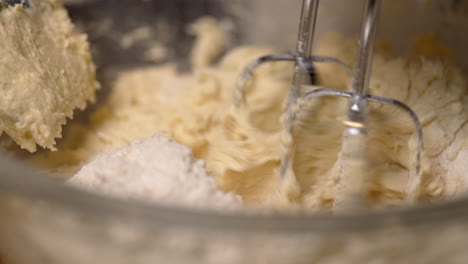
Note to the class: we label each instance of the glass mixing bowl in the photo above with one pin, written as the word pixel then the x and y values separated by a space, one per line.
pixel 44 221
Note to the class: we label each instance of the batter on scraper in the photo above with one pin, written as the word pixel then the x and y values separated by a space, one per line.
pixel 242 152
pixel 46 72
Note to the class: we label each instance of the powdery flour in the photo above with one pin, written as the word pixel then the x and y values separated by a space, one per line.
pixel 155 169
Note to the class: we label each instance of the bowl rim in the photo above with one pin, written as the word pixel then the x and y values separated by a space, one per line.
pixel 20 180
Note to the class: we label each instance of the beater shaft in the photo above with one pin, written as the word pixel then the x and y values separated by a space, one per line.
pixel 366 47
pixel 304 48
pixel 357 112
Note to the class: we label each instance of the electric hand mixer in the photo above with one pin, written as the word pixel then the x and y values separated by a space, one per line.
pixel 353 152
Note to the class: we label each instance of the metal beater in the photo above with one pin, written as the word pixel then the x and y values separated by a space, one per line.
pixel 354 144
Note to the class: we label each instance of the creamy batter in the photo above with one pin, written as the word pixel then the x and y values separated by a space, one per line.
pixel 46 72
pixel 243 153
pixel 242 150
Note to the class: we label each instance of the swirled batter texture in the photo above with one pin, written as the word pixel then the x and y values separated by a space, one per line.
pixel 242 150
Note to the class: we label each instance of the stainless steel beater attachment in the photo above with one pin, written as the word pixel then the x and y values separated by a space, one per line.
pixel 355 134
pixel 304 72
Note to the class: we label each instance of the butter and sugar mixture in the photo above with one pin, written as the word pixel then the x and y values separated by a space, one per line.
pixel 45 74
pixel 242 151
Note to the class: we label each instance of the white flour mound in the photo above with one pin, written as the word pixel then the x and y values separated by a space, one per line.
pixel 155 169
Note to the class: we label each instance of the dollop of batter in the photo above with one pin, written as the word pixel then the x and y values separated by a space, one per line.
pixel 46 72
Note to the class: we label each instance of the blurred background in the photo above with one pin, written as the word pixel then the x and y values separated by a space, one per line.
pixel 271 22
